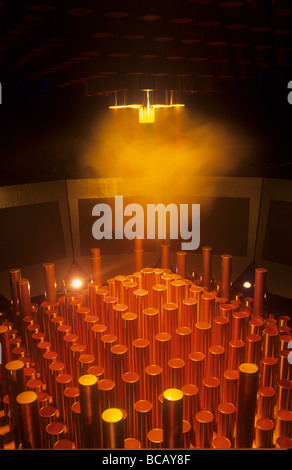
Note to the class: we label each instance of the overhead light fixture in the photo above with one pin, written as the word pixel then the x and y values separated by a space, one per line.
pixel 147 110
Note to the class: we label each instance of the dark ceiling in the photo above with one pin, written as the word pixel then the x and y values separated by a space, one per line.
pixel 67 50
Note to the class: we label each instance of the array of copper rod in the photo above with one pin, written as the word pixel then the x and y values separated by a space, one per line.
pixel 150 359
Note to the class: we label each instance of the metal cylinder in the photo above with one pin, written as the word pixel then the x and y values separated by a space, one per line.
pixel 4 344
pixel 207 265
pixel 247 395
pixel 189 312
pixel 235 353
pixel 191 403
pixel 284 395
pixel 268 369
pixel 153 376
pixel 139 254
pixel 226 421
pixel 270 342
pixel 130 396
pixel 172 418
pixel 204 426
pixel 210 395
pixel 202 337
pixel 283 423
pixel 143 420
pixel 181 263
pixel 165 255
pixel 150 329
pixel 155 438
pixel 176 373
pixel 88 390
pixel 16 384
pixel 27 411
pixel 163 354
pixel 14 276
pixel 264 433
pixel 259 291
pixel 96 265
pixel 207 308
pixel 112 428
pixel 50 282
pixel 253 345
pixel 266 402
pixel 226 268
pixel 196 369
pixel 220 332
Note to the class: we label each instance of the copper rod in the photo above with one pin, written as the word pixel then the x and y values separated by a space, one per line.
pixel 23 289
pixel 170 317
pixel 202 337
pixel 239 325
pixel 54 323
pixel 77 425
pixel 167 279
pixel 63 381
pixel 235 353
pixel 89 322
pixel 14 373
pixel 191 403
pixel 55 432
pixel 266 402
pixel 50 282
pixel 119 365
pixel 165 255
pixel 96 273
pixel 283 423
pixel 118 311
pixel 172 418
pixel 153 376
pixel 157 275
pixel 62 331
pixel 264 433
pixel 284 367
pixel 141 359
pixel 226 310
pixel 14 276
pixel 210 395
pixel 106 390
pixel 221 443
pixel 259 291
pixel 255 325
pixel 81 314
pixel 141 302
pixel 130 395
pixel 98 331
pixel 216 361
pixel 284 443
pixel 100 295
pixel 76 350
pixel 176 373
pixel 93 289
pixel 226 421
pixel 55 369
pixel 148 281
pixel 284 395
pixel 196 368
pixel 69 340
pixel 270 342
pixel 47 415
pixel 119 282
pixel 138 254
pixel 143 420
pixel 155 438
pixel 189 312
pixel 207 308
pixel 177 293
pixel 230 386
pixel 253 345
pixel 183 342
pixel 204 426
pixel 268 367
pixel 88 390
pixel 4 342
pixel 112 428
pixel 247 395
pixel 128 334
pixel 151 328
pixel 220 332
pixel 71 395
pixel 107 341
pixel 207 265
pixel 181 263
pixel 64 444
pixel 163 354
pixel 226 268
pixel 27 411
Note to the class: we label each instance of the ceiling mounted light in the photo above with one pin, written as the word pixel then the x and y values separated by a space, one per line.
pixel 147 109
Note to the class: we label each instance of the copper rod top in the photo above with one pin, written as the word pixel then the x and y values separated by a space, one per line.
pixel 112 415
pixel 204 417
pixel 25 398
pixel 87 380
pixel 173 394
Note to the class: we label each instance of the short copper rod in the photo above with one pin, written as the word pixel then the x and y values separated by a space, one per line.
pixel 264 433
pixel 247 396
pixel 172 418
pixel 266 402
pixel 50 282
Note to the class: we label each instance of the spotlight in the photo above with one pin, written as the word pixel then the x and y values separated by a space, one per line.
pixel 247 285
pixel 76 283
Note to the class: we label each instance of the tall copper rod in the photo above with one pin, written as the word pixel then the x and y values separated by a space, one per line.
pixel 100 295
pixel 259 291
pixel 50 282
pixel 210 395
pixel 139 254
pixel 27 410
pixel 88 390
pixel 112 428
pixel 165 255
pixel 270 342
pixel 14 277
pixel 207 265
pixel 247 396
pixel 181 263
pixel 226 268
pixel 96 272
pixel 172 418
